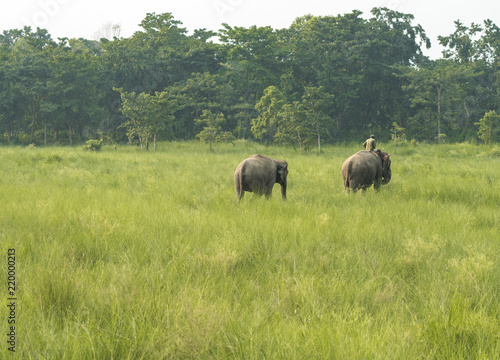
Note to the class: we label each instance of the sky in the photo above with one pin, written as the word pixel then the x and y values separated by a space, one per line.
pixel 73 18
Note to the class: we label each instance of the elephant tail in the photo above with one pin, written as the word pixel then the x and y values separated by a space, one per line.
pixel 238 184
pixel 347 175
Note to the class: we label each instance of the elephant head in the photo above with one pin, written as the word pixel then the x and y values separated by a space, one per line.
pixel 386 167
pixel 281 174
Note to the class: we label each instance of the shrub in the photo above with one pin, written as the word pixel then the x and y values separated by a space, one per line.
pixel 93 145
pixel 488 127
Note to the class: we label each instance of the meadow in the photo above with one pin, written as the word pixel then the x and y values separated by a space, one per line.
pixel 129 254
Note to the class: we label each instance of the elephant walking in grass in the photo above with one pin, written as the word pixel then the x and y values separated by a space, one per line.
pixel 365 168
pixel 258 174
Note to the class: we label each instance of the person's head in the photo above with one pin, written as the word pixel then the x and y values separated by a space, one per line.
pixel 372 136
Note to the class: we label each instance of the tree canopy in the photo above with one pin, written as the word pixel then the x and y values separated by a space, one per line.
pixel 324 79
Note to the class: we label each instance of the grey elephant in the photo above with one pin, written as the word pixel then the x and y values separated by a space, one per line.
pixel 258 174
pixel 365 168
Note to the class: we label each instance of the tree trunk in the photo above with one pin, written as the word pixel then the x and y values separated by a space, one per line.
pixel 439 113
pixel 319 143
pixel 10 132
pixel 33 130
pixel 245 122
pixel 340 115
pixel 468 116
pixel 247 110
pixel 70 136
pixel 339 120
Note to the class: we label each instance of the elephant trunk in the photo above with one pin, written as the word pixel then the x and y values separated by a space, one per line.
pixel 386 177
pixel 283 190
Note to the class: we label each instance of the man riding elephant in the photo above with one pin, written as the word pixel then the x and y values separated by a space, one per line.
pixel 370 144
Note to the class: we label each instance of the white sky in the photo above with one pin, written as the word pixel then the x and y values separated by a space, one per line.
pixel 72 18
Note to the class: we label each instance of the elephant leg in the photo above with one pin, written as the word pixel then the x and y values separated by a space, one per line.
pixel 346 186
pixel 268 189
pixel 283 192
pixel 354 186
pixel 268 193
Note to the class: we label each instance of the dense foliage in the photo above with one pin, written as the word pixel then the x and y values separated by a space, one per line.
pixel 324 79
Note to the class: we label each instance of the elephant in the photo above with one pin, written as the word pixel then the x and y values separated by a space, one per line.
pixel 365 168
pixel 258 174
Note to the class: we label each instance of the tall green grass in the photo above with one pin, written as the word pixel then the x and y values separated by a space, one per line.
pixel 128 255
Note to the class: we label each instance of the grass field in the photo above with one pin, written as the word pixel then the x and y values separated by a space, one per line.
pixel 147 255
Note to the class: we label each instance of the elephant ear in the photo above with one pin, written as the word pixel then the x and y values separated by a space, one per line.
pixel 281 171
pixel 384 161
pixel 282 166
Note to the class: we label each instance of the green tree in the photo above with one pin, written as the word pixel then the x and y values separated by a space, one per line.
pixel 354 59
pixel 294 126
pixel 265 126
pixel 28 75
pixel 398 134
pixel 374 66
pixel 147 115
pixel 325 52
pixel 394 41
pixel 437 94
pixel 489 127
pixel 316 103
pixel 48 86
pixel 160 57
pixel 212 127
pixel 75 95
pixel 8 97
pixel 461 46
pixel 161 108
pixel 255 58
pixel 490 53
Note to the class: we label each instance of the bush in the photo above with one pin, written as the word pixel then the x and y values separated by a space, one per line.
pixel 495 151
pixel 93 145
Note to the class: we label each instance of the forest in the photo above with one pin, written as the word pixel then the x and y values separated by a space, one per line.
pixel 323 80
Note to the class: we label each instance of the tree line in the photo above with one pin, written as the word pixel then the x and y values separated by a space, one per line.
pixel 325 79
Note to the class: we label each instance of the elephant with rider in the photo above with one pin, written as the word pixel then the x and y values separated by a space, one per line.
pixel 366 168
